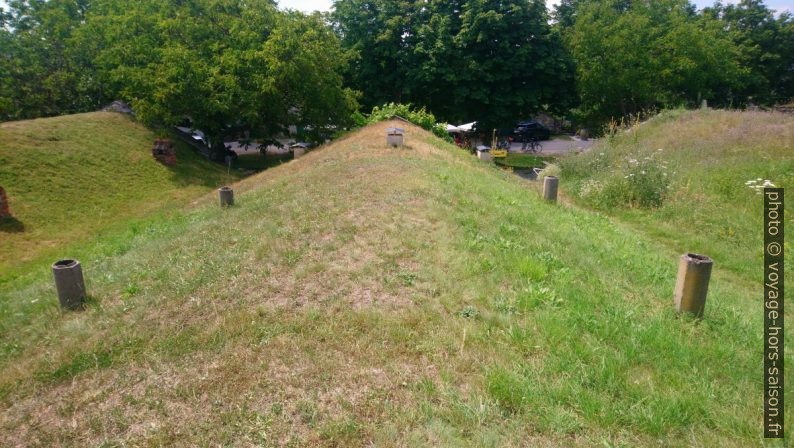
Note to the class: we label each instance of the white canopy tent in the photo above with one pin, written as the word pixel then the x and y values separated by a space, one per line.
pixel 468 127
pixel 462 129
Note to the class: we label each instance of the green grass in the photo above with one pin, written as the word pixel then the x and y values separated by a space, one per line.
pixel 526 161
pixel 73 176
pixel 701 160
pixel 364 295
pixel 256 162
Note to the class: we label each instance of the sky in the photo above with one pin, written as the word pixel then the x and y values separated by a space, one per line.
pixel 325 5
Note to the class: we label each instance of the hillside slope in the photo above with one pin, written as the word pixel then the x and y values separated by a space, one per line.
pixel 69 177
pixel 692 169
pixel 364 295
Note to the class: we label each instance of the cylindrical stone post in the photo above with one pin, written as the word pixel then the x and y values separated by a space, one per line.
pixel 226 195
pixel 69 283
pixel 550 184
pixel 692 285
pixel 5 211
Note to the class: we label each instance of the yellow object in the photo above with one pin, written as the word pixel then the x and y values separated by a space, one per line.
pixel 499 152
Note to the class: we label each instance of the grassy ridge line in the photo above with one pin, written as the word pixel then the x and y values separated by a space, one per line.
pixel 401 297
pixel 72 176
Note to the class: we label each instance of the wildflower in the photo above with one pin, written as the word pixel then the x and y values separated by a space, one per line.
pixel 643 172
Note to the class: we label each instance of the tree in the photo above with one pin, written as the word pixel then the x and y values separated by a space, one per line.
pixel 649 55
pixel 381 36
pixel 766 43
pixel 485 60
pixel 231 66
pixel 37 71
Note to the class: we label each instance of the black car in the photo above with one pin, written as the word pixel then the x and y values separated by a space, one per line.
pixel 531 130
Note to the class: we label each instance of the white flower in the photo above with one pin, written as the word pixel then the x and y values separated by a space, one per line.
pixel 643 172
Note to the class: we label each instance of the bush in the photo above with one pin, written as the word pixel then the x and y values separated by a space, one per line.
pixel 420 117
pixel 551 169
pixel 629 180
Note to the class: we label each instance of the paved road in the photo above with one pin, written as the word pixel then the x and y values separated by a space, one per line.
pixel 254 149
pixel 559 146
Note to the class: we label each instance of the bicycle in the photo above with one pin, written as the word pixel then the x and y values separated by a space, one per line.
pixel 504 144
pixel 532 145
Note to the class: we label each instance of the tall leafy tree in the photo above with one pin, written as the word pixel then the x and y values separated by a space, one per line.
pixel 767 46
pixel 232 66
pixel 651 54
pixel 515 64
pixel 485 60
pixel 37 71
pixel 381 34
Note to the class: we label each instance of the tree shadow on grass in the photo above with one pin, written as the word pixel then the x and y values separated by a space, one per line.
pixel 193 168
pixel 9 224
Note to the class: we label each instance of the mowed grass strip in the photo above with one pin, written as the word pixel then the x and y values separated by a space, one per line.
pixel 369 295
pixel 69 177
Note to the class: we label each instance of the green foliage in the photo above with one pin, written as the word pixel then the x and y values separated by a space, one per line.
pixel 465 60
pixel 766 43
pixel 635 178
pixel 41 73
pixel 231 66
pixel 648 55
pixel 420 117
pixel 696 188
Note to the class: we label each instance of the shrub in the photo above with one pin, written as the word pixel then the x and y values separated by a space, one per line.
pixel 631 180
pixel 420 117
pixel 551 169
pixel 640 182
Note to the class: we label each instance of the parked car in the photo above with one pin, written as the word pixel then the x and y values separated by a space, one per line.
pixel 531 130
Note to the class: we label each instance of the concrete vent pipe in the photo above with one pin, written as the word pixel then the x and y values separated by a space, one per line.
pixel 69 283
pixel 226 196
pixel 550 184
pixel 692 285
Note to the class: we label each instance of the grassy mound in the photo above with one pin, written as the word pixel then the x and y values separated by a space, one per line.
pixel 69 177
pixel 369 295
pixel 682 177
